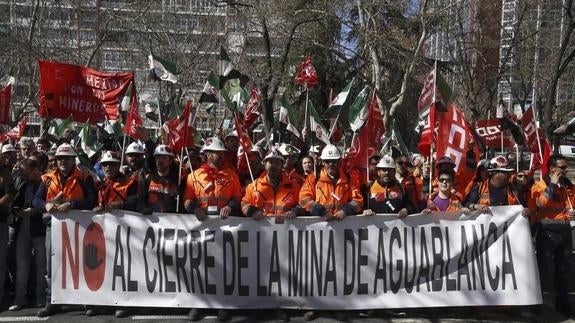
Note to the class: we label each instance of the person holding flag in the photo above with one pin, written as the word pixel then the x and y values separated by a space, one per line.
pixel 329 192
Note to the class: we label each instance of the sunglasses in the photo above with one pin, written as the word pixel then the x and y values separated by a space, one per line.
pixel 520 175
pixel 444 180
pixel 64 158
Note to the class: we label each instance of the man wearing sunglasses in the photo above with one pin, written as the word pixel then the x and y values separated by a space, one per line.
pixel 496 191
pixel 553 196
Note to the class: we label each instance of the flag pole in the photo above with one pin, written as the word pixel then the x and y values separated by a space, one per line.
pixel 306 113
pixel 123 149
pixel 249 168
pixel 517 157
pixel 180 179
pixel 536 118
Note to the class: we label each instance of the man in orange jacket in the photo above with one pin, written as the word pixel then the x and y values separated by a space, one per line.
pixel 273 193
pixel 328 192
pixel 214 188
pixel 118 191
pixel 65 188
pixel 554 199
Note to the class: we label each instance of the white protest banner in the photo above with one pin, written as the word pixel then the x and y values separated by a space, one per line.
pixel 168 260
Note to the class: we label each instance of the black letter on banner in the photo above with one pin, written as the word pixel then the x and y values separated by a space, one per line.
pixel 424 260
pixel 362 235
pixel 451 283
pixel 159 258
pixel 168 260
pixel 330 274
pixel 507 266
pixel 196 240
pixel 380 268
pixel 348 238
pixel 491 235
pixel 295 264
pixel 229 241
pixel 119 267
pixel 262 290
pixel 462 263
pixel 132 284
pixel 409 283
pixel 243 236
pixel 437 281
pixel 181 239
pixel 275 276
pixel 150 284
pixel 395 285
pixel 477 258
pixel 209 262
pixel 316 269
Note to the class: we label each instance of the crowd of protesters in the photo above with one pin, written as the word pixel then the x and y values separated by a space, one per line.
pixel 39 178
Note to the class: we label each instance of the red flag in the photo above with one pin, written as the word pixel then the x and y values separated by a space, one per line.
pixel 306 73
pixel 537 147
pixel 253 108
pixel 81 92
pixel 490 131
pixel 15 133
pixel 453 136
pixel 245 140
pixel 134 126
pixel 5 95
pixel 366 142
pixel 428 133
pixel 179 131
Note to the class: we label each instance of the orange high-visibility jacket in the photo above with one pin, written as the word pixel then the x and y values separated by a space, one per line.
pixel 332 196
pixel 554 208
pixel 260 194
pixel 454 203
pixel 484 194
pixel 118 191
pixel 71 190
pixel 213 187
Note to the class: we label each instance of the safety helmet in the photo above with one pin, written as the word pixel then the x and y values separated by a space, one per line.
pixel 163 150
pixel 8 148
pixel 135 148
pixel 483 163
pixel 499 164
pixel 330 152
pixel 232 134
pixel 386 162
pixel 65 150
pixel 109 157
pixel 288 150
pixel 213 144
pixel 273 154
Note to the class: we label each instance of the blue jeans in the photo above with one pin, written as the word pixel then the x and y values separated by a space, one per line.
pixel 26 249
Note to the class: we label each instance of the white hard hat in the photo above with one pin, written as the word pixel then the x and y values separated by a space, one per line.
pixel 65 150
pixel 273 154
pixel 330 152
pixel 386 162
pixel 135 148
pixel 109 157
pixel 163 150
pixel 288 150
pixel 314 149
pixel 232 134
pixel 8 148
pixel 213 144
pixel 499 164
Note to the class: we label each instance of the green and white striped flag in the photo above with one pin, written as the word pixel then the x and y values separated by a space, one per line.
pixel 358 111
pixel 89 146
pixel 163 69
pixel 316 126
pixel 285 116
pixel 113 127
pixel 58 126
